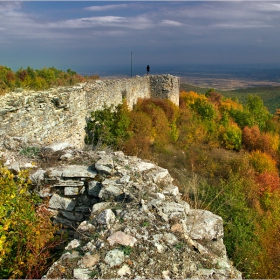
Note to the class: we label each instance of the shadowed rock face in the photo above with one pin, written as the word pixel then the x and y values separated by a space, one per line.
pixel 130 221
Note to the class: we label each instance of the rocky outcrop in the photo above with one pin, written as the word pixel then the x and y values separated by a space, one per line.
pixel 124 216
pixel 128 221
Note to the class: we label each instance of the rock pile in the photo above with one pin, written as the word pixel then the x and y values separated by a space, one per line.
pixel 125 216
pixel 130 222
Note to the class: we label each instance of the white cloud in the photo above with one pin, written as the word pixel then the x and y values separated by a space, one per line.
pixel 237 25
pixel 106 7
pixel 88 22
pixel 171 23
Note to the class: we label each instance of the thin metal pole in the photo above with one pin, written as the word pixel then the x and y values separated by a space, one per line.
pixel 131 65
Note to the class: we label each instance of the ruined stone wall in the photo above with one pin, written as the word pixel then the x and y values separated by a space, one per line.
pixel 60 114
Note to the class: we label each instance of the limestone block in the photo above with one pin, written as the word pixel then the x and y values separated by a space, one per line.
pixel 144 166
pixel 171 190
pixel 160 196
pixel 94 188
pixel 81 273
pixel 100 206
pixel 172 209
pixel 68 183
pixel 159 174
pixel 86 226
pixel 73 216
pixel 114 257
pixel 204 225
pixel 90 260
pixel 124 179
pixel 120 237
pixel 75 243
pixel 58 202
pixel 38 176
pixel 79 171
pixel 106 217
pixel 71 191
pixel 111 192
pixel 105 165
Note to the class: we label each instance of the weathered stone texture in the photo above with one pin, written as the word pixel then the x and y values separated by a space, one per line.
pixel 60 114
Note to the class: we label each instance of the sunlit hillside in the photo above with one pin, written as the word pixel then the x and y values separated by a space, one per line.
pixel 225 158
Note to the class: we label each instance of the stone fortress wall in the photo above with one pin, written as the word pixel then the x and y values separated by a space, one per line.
pixel 60 114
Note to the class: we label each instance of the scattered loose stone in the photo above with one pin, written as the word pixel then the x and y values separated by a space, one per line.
pixel 106 217
pixel 73 244
pixel 124 270
pixel 114 258
pixel 120 237
pixel 90 260
pixel 81 273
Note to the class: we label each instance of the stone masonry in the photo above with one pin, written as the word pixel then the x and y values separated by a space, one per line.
pixel 60 114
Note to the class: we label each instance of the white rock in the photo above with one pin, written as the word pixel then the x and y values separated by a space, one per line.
pixel 58 202
pixel 114 257
pixel 99 206
pixel 59 146
pixel 143 166
pixel 204 225
pixel 71 191
pixel 124 270
pixel 81 273
pixel 73 244
pixel 120 237
pixel 106 217
pixel 160 196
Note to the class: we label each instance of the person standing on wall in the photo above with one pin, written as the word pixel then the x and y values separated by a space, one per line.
pixel 148 69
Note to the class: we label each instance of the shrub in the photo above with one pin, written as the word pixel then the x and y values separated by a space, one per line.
pixel 251 137
pixel 230 137
pixel 26 233
pixel 204 109
pixel 268 182
pixel 262 162
pixel 109 126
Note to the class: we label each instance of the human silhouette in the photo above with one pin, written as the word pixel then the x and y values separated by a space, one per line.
pixel 148 69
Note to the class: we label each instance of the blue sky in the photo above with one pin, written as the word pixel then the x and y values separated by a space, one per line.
pixel 90 35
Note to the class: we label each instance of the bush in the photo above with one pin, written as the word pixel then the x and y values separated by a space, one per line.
pixel 109 126
pixel 262 162
pixel 26 233
pixel 230 137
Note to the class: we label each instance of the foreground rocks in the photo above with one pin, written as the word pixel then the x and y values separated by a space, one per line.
pixel 127 220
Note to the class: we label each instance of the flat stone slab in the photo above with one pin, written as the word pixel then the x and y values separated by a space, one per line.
pixel 144 166
pixel 71 191
pixel 63 203
pixel 69 183
pixel 79 171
